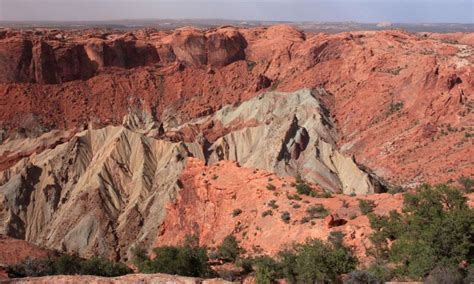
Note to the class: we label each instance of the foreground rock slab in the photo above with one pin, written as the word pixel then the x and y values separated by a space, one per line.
pixel 127 279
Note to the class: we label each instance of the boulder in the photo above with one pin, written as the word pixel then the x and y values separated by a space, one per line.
pixel 225 46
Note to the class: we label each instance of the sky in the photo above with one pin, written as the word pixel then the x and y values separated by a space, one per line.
pixel 367 11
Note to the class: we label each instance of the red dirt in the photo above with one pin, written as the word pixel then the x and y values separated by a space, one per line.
pixel 205 207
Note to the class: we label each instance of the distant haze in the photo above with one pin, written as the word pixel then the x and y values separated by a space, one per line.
pixel 400 11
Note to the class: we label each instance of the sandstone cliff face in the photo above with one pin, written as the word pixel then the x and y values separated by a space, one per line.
pixel 393 95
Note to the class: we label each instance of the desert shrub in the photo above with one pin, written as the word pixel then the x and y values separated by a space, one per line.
pixel 293 196
pixel 360 277
pixel 317 261
pixel 250 65
pixel 395 189
pixel 68 265
pixel 336 238
pixel 246 264
pixel 397 106
pixel 229 250
pixel 186 260
pixel 31 268
pixel 272 204
pixel 101 267
pixel 303 188
pixel 287 265
pixel 270 186
pixel 285 216
pixel 376 274
pixel 366 206
pixel 228 275
pixel 317 211
pixel 435 228
pixel 314 261
pixel 445 275
pixel 325 194
pixel 236 212
pixel 268 270
pixel 267 213
pixel 467 184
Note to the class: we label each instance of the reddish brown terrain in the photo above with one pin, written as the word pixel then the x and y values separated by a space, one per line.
pixel 111 139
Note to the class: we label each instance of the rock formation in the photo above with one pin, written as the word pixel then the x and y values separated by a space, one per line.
pixel 105 136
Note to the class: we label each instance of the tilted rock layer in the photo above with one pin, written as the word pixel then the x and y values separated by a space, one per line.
pixel 105 190
pixel 104 134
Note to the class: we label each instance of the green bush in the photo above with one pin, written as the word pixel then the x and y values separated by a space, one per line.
pixel 467 184
pixel 268 270
pixel 435 229
pixel 293 196
pixel 317 261
pixel 285 216
pixel 236 212
pixel 186 260
pixel 272 204
pixel 314 261
pixel 366 206
pixel 267 213
pixel 303 188
pixel 229 250
pixel 271 187
pixel 67 265
pixel 317 211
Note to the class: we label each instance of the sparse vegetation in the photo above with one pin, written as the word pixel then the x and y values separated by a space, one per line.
pixel 187 260
pixel 267 213
pixel 67 265
pixel 467 184
pixel 293 196
pixel 250 65
pixel 271 187
pixel 285 216
pixel 314 261
pixel 272 204
pixel 317 211
pixel 395 189
pixel 236 212
pixel 394 107
pixel 325 194
pixel 366 206
pixel 302 187
pixel 434 229
pixel 229 250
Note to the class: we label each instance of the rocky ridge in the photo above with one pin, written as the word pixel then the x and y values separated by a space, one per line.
pixel 394 96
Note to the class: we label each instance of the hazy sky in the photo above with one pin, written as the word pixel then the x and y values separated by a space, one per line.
pixel 408 11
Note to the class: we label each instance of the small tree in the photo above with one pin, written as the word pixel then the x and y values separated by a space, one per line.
pixel 187 260
pixel 317 261
pixel 434 229
pixel 229 250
